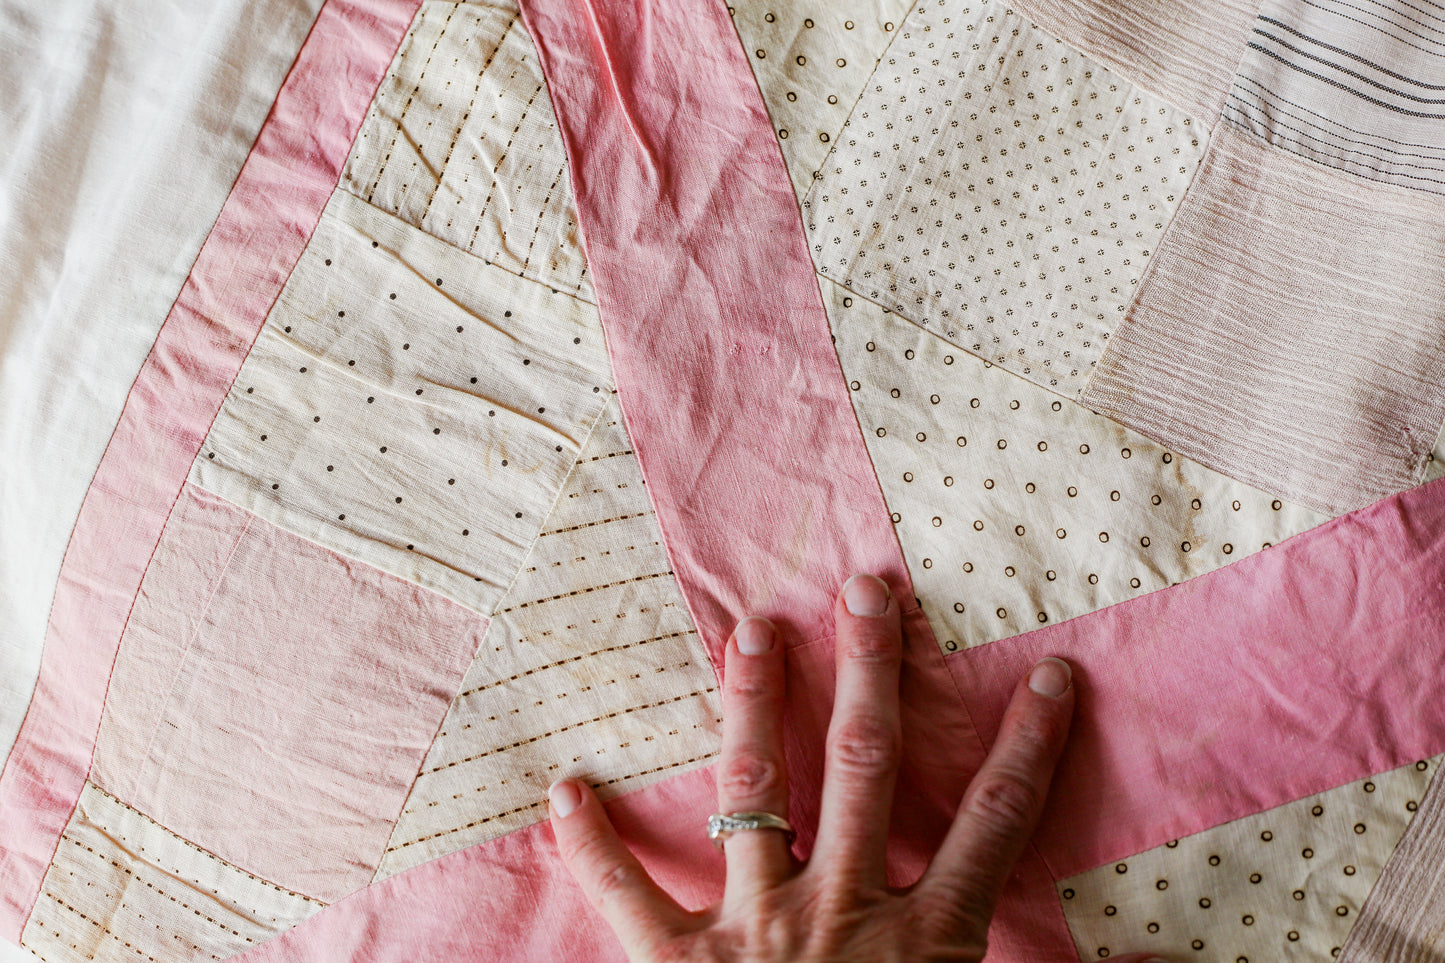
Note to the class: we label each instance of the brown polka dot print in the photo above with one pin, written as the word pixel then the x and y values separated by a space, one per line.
pixel 1000 189
pixel 365 420
pixel 1282 885
pixel 1016 508
pixel 812 60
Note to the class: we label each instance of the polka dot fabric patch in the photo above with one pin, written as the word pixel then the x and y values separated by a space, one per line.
pixel 1182 50
pixel 462 143
pixel 1017 508
pixel 592 668
pixel 1283 885
pixel 1000 189
pixel 410 406
pixel 812 61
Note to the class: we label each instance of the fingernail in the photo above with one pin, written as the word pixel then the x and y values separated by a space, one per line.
pixel 866 595
pixel 1050 678
pixel 566 796
pixel 754 635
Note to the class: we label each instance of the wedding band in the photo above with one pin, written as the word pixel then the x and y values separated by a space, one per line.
pixel 722 825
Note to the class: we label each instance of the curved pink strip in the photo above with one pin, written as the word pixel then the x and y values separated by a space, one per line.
pixel 262 229
pixel 724 360
pixel 1298 669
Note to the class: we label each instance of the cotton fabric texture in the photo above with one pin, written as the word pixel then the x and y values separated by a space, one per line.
pixel 535 346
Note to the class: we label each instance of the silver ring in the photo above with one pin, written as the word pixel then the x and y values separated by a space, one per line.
pixel 722 825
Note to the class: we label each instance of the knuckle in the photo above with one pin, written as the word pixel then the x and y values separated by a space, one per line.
pixel 746 687
pixel 957 920
pixel 604 875
pixel 868 747
pixel 873 647
pixel 750 776
pixel 614 882
pixel 1037 735
pixel 1007 801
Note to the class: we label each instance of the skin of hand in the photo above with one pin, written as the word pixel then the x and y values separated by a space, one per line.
pixel 836 907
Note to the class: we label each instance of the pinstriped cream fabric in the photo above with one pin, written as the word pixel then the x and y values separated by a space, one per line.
pixel 591 668
pixel 1358 87
pixel 1292 331
pixel 1017 508
pixel 461 142
pixel 124 888
pixel 1282 886
pixel 812 59
pixel 1180 50
pixel 410 405
pixel 1000 189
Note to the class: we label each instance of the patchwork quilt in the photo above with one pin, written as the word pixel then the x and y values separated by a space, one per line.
pixel 536 343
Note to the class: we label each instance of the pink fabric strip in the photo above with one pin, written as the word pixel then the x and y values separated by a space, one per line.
pixel 257 239
pixel 724 362
pixel 733 394
pixel 1288 673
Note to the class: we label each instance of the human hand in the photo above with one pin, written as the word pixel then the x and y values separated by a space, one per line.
pixel 838 906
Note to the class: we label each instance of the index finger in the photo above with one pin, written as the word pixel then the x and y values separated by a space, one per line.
pixel 618 886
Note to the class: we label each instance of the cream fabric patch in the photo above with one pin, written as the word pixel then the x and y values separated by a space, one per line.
pixel 1285 884
pixel 591 668
pixel 1016 508
pixel 1435 461
pixel 1182 50
pixel 1401 921
pixel 812 61
pixel 409 405
pixel 1000 189
pixel 120 881
pixel 1351 87
pixel 1292 331
pixel 461 142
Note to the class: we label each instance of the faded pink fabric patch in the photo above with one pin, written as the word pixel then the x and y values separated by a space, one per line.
pixel 1290 332
pixel 257 239
pixel 1285 674
pixel 272 700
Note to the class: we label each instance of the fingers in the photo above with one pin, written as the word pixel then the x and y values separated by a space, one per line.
pixel 617 886
pixel 752 776
pixel 864 736
pixel 1002 804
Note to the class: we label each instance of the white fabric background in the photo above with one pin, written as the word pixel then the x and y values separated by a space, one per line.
pixel 125 125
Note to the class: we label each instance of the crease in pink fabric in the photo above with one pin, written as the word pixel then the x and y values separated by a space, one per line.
pixel 1290 672
pixel 265 223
